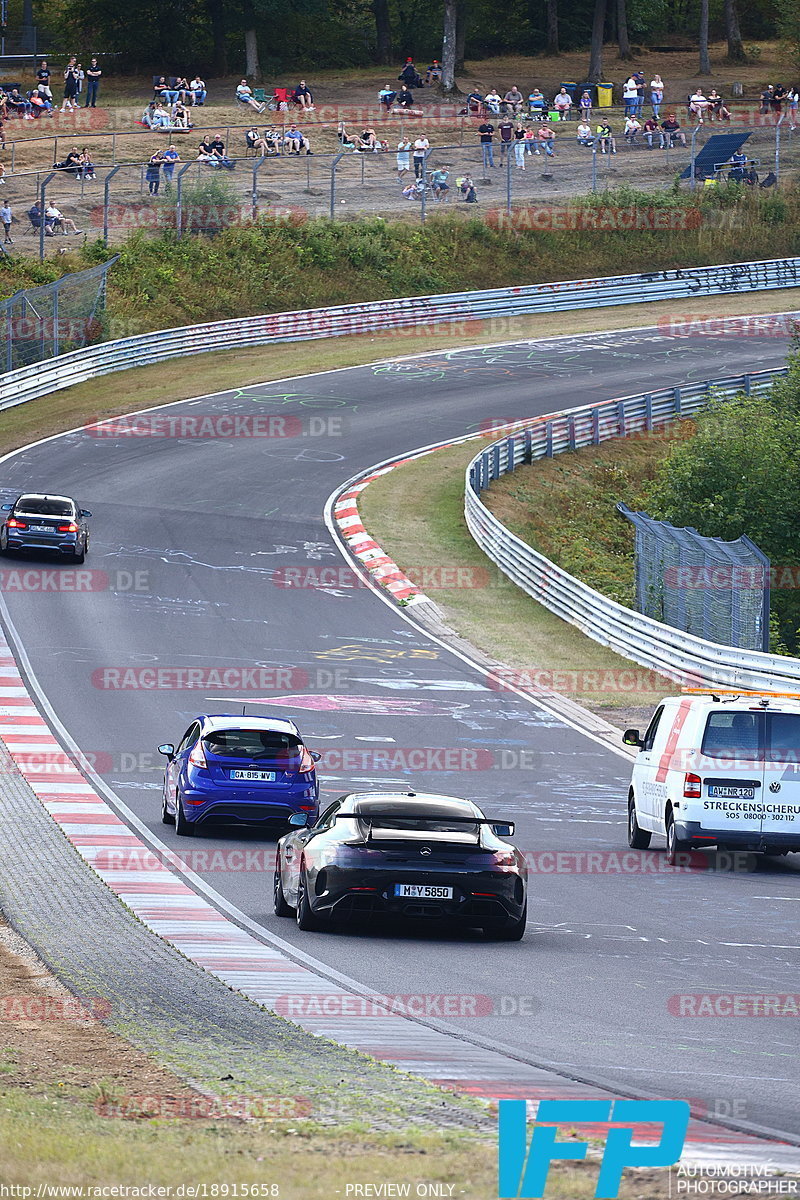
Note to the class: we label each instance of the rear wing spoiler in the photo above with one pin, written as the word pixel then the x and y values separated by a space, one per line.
pixel 500 828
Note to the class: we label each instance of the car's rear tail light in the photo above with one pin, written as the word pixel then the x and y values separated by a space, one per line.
pixel 691 787
pixel 306 762
pixel 71 528
pixel 198 757
pixel 490 894
pixel 362 889
pixel 13 523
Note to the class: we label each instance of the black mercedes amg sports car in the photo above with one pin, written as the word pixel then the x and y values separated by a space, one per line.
pixel 405 854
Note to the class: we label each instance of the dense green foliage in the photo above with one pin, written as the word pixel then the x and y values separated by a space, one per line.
pixel 740 474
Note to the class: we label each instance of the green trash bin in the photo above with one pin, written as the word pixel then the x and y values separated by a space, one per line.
pixel 605 95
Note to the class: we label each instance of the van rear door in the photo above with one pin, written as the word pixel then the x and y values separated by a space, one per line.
pixel 732 771
pixel 781 798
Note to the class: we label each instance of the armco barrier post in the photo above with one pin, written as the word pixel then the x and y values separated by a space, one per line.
pixel 106 187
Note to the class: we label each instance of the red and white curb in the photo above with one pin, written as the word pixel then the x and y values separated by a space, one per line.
pixel 352 1015
pixel 362 546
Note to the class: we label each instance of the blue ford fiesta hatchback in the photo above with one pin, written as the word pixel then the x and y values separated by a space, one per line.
pixel 230 770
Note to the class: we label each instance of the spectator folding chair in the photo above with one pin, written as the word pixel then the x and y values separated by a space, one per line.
pixel 280 99
pixel 260 95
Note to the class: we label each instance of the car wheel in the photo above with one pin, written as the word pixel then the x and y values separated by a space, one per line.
pixel 675 845
pixel 79 557
pixel 637 838
pixel 182 827
pixel 306 918
pixel 514 931
pixel 167 817
pixel 282 909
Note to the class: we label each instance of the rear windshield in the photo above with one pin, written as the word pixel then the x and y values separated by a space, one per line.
pixel 753 736
pixel 427 817
pixel 35 507
pixel 253 743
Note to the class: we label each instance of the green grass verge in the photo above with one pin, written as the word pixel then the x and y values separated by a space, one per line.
pixel 416 514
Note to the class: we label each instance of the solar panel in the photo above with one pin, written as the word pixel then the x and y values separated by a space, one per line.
pixel 718 149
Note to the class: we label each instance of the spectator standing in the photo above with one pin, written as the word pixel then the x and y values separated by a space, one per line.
pixel 403 157
pixel 766 99
pixel 153 173
pixel 80 75
pixel 421 148
pixel 43 80
pixel 791 106
pixel 506 131
pixel 778 97
pixel 486 131
pixel 519 145
pixel 656 94
pixel 563 104
pixel 630 94
pixel 93 73
pixel 6 217
pixel 170 157
pixel 638 77
pixel 70 86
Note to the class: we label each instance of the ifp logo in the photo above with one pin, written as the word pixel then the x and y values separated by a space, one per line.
pixel 523 1169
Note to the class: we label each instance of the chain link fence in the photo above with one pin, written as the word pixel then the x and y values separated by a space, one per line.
pixel 716 590
pixel 42 322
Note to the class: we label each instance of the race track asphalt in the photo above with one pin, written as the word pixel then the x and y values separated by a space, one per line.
pixel 209 521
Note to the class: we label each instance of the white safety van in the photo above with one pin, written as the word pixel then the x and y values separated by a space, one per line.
pixel 718 769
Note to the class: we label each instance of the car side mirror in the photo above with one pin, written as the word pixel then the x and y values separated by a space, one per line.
pixel 8 507
pixel 631 737
pixel 504 829
pixel 85 512
pixel 316 756
pixel 167 749
pixel 298 820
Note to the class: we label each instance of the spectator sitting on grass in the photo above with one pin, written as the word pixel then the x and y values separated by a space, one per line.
pixel 180 115
pixel 369 139
pixel 584 134
pixel 205 153
pixel 160 118
pixel 59 221
pixel 72 163
pixel 633 126
pixel 650 129
pixel 672 129
pixel 439 182
pixel 608 143
pixel 414 189
pixel 244 95
pixel 386 97
pixel 218 149
pixel 19 104
pixel 296 140
pixel 537 103
pixel 562 104
pixel 87 166
pixel 514 99
pixel 405 98
pixel 492 100
pixel 467 187
pixel 303 96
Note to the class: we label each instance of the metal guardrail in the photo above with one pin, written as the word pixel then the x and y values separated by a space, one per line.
pixel 455 309
pixel 669 651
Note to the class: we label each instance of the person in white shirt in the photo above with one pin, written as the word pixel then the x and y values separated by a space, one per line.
pixel 656 94
pixel 562 104
pixel 698 104
pixel 584 134
pixel 421 148
pixel 197 87
pixel 59 221
pixel 632 127
pixel 492 100
pixel 630 95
